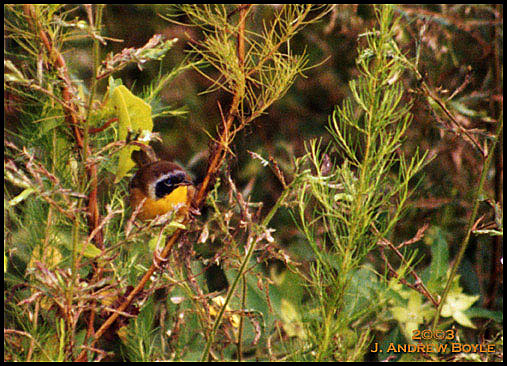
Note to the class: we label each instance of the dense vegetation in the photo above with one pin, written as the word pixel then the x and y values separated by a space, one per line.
pixel 348 167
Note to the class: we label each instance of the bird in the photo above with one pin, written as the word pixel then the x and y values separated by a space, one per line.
pixel 160 187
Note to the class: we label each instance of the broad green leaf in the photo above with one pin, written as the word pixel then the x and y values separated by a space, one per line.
pixel 455 305
pixel 134 115
pixel 439 257
pixel 476 312
pixel 413 314
pixel 291 320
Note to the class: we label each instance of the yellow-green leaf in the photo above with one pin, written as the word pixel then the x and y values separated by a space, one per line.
pixel 134 114
pixel 152 244
pixel 456 304
pixel 21 197
pixel 91 251
pixel 291 320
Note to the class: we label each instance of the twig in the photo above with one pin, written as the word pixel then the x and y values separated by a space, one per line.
pixel 418 284
pixel 103 127
pixel 428 92
pixel 131 295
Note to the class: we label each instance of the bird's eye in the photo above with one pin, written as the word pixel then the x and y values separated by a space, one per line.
pixel 177 178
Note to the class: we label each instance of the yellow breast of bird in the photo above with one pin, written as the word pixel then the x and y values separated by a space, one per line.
pixel 153 208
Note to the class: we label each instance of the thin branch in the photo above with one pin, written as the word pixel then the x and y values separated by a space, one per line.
pixel 418 285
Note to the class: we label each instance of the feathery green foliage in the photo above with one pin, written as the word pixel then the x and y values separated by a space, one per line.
pixel 359 197
pixel 239 280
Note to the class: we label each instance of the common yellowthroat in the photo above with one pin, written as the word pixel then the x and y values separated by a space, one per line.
pixel 165 186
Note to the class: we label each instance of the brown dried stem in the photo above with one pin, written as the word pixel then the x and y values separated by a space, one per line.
pixel 418 284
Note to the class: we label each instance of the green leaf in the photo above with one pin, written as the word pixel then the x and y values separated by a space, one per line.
pixel 464 110
pixel 455 305
pixel 361 294
pixel 477 312
pixel 291 320
pixel 489 232
pixel 134 115
pixel 413 314
pixel 21 197
pixel 439 257
pixel 91 251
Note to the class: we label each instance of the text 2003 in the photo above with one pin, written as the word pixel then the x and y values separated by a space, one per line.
pixel 426 334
